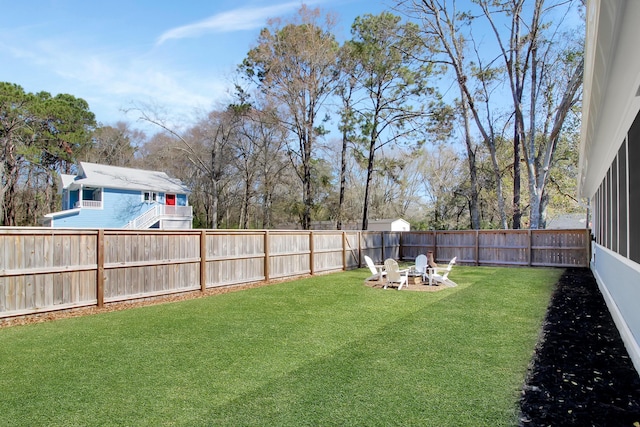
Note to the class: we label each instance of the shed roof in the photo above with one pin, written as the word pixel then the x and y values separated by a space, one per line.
pixel 104 176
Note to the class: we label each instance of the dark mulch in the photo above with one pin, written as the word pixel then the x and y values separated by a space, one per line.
pixel 581 374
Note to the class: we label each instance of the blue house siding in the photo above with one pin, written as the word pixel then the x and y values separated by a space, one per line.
pixel 118 208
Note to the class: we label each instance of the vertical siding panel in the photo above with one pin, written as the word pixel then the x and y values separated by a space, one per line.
pixel 29 263
pixel 57 289
pixel 40 291
pixel 3 289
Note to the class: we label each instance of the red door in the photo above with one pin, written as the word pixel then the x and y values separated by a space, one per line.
pixel 170 199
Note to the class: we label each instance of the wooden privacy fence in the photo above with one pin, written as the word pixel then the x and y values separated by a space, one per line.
pixel 541 248
pixel 44 269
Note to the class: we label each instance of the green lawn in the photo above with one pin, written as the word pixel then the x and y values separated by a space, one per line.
pixel 319 352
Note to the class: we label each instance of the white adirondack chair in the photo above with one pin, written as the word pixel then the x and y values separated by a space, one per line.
pixel 421 265
pixel 394 275
pixel 440 274
pixel 377 273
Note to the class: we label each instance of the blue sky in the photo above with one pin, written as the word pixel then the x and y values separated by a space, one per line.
pixel 177 55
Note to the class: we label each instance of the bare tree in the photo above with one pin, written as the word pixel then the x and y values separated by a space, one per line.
pixel 205 145
pixel 114 145
pixel 553 74
pixel 439 26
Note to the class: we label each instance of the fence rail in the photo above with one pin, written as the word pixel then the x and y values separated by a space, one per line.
pixel 44 269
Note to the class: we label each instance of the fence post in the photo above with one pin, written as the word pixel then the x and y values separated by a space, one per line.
pixel 203 260
pixel 100 268
pixel 382 237
pixel 589 247
pixel 477 247
pixel 266 255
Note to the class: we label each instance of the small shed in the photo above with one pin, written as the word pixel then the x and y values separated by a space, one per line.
pixel 389 225
pixel 567 221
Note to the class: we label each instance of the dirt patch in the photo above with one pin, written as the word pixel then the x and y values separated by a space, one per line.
pixel 581 373
pixel 420 287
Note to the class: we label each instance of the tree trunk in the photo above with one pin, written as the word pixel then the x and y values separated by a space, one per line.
pixel 244 212
pixel 372 142
pixel 306 173
pixel 517 213
pixel 214 204
pixel 474 214
pixel 343 179
pixel 266 210
pixel 498 178
pixel 370 170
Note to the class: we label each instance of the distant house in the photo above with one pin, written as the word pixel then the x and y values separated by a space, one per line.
pixel 102 196
pixel 374 225
pixel 567 221
pixel 389 225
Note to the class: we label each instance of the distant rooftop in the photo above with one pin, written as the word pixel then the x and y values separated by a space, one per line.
pixel 96 175
pixel 567 221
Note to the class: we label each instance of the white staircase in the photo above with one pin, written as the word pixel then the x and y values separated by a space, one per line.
pixel 157 213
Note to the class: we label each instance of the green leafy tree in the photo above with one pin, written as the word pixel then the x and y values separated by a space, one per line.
pixel 14 133
pixel 41 136
pixel 394 84
pixel 294 65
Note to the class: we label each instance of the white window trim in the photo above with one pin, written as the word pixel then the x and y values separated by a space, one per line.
pixel 153 197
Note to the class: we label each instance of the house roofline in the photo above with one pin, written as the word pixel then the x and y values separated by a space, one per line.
pixel 78 185
pixel 61 213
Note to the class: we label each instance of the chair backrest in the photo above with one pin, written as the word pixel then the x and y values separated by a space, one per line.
pixel 449 267
pixel 392 269
pixel 371 265
pixel 421 263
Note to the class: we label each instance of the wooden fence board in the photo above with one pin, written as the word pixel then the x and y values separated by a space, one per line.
pixel 352 248
pixel 372 245
pixel 327 250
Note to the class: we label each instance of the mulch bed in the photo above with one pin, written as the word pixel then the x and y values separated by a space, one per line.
pixel 581 374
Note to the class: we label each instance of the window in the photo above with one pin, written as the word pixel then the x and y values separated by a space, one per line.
pixel 597 215
pixel 607 210
pixel 150 197
pixel 614 205
pixel 633 158
pixel 622 193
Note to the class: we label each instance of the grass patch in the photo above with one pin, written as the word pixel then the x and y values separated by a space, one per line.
pixel 320 351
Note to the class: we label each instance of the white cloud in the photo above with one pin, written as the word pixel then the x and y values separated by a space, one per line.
pixel 233 20
pixel 113 79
